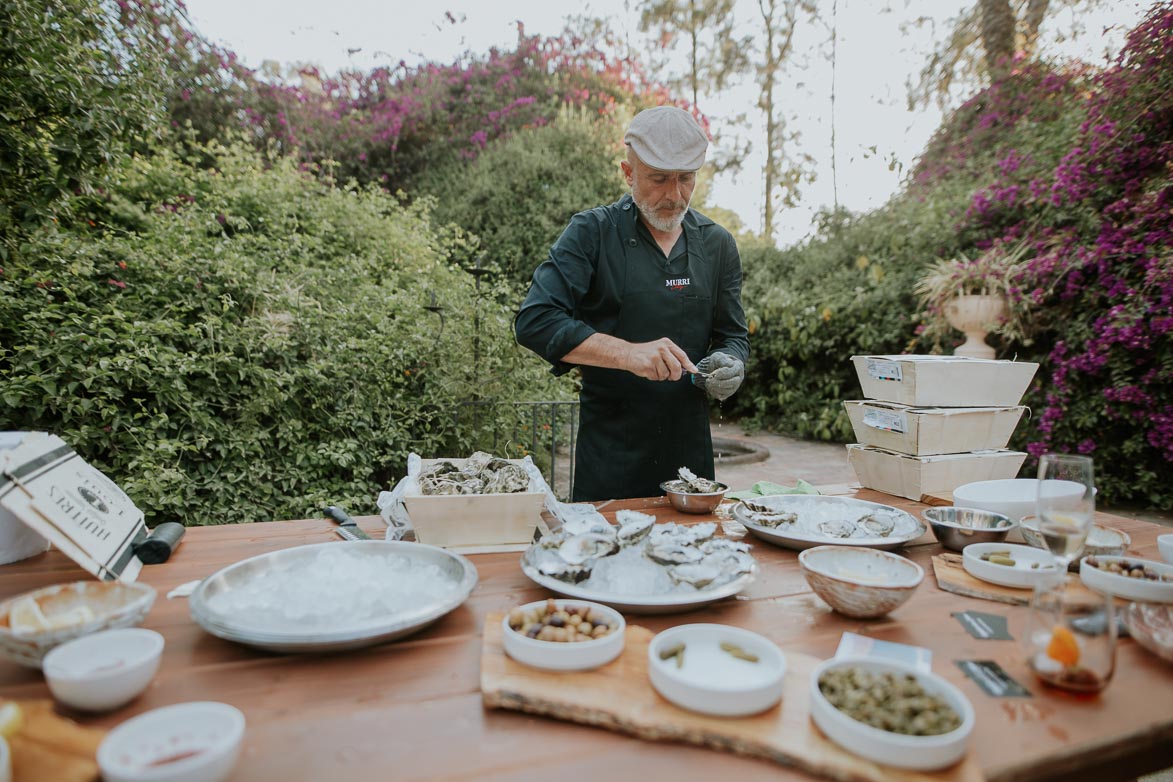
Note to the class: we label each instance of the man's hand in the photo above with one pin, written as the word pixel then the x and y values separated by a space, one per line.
pixel 659 360
pixel 725 374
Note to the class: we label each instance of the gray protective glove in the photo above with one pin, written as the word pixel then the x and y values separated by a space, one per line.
pixel 724 372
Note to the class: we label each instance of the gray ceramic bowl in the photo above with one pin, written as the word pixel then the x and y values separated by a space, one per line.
pixel 687 502
pixel 955 528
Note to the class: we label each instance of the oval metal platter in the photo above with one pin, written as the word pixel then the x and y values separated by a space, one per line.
pixel 295 637
pixel 813 509
pixel 669 603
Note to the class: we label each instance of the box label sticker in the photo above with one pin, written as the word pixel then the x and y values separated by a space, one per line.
pixel 984 626
pixel 888 420
pixel 882 369
pixel 992 678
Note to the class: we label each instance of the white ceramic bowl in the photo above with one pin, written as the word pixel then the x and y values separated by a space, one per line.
pixel 1101 541
pixel 104 670
pixel 569 655
pixel 710 680
pixel 922 753
pixel 859 582
pixel 1012 497
pixel 1118 585
pixel 34 622
pixel 187 742
pixel 1023 575
pixel 1165 546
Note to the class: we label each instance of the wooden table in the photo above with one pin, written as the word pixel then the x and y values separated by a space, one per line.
pixel 412 709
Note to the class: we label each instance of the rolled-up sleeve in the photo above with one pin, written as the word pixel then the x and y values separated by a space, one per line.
pixel 730 334
pixel 548 322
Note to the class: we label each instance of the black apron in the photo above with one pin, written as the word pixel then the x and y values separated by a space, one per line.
pixel 634 433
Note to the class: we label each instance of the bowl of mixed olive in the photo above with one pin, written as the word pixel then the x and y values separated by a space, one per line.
pixel 891 713
pixel 563 635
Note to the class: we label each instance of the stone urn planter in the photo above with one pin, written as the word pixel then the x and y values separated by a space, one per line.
pixel 975 315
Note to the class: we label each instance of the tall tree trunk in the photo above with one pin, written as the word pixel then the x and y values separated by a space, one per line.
pixel 1036 11
pixel 997 24
pixel 693 26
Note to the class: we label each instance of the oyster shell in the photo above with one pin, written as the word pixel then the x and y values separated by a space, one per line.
pixel 837 528
pixel 481 473
pixel 694 484
pixel 673 553
pixel 633 526
pixel 878 525
pixel 766 515
pixel 699 574
pixel 578 549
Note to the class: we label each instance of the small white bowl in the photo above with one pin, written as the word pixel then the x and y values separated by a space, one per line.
pixel 187 742
pixel 922 753
pixel 1101 541
pixel 860 582
pixel 104 670
pixel 712 681
pixel 1165 546
pixel 1141 589
pixel 1012 497
pixel 1022 575
pixel 568 655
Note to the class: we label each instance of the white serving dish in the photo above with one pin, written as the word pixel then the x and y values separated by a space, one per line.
pixel 711 680
pixel 921 753
pixel 104 670
pixel 814 509
pixel 566 656
pixel 860 582
pixel 1022 575
pixel 1012 497
pixel 1140 589
pixel 1165 546
pixel 1101 541
pixel 69 611
pixel 211 731
pixel 1151 626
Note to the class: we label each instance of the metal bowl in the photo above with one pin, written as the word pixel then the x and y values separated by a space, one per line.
pixel 955 528
pixel 691 502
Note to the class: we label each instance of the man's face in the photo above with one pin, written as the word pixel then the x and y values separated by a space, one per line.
pixel 662 196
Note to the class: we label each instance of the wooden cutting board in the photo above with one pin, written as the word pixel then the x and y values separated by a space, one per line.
pixel 619 696
pixel 50 747
pixel 953 577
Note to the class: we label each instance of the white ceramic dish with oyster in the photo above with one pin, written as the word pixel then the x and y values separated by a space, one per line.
pixel 638 565
pixel 802 521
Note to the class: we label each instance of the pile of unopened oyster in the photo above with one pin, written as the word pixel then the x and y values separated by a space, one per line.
pixel 875 524
pixel 481 473
pixel 640 557
pixel 689 482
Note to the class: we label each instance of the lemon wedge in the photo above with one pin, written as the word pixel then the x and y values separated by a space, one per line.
pixel 11 718
pixel 25 617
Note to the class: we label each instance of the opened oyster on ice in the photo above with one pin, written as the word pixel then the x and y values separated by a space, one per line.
pixel 799 521
pixel 637 558
pixel 481 473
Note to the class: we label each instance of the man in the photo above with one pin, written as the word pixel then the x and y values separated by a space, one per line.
pixel 643 295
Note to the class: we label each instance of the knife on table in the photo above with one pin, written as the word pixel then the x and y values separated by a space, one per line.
pixel 347 527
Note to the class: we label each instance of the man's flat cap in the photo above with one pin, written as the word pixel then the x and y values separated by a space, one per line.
pixel 668 138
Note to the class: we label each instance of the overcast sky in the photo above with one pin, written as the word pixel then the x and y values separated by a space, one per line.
pixel 877 138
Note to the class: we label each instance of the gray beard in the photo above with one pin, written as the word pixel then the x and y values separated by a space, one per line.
pixel 660 224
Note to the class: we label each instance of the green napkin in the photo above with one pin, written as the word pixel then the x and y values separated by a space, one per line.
pixel 765 488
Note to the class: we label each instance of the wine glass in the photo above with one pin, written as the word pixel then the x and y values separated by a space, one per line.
pixel 1066 504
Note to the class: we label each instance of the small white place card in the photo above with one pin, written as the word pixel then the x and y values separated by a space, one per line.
pixel 853 645
pixel 51 489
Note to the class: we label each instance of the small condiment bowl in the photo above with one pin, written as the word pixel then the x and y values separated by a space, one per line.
pixel 921 753
pixel 566 655
pixel 709 679
pixel 1031 566
pixel 955 528
pixel 34 622
pixel 188 742
pixel 1165 546
pixel 692 502
pixel 104 670
pixel 1101 541
pixel 860 582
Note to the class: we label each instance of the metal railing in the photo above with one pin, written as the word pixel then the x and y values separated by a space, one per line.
pixel 545 431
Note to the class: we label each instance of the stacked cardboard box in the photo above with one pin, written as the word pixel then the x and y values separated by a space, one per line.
pixel 932 423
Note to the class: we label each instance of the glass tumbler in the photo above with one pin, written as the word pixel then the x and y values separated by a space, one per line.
pixel 1072 647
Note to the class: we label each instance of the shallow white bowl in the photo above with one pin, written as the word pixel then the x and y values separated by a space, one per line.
pixel 1165 546
pixel 860 582
pixel 711 680
pixel 922 753
pixel 1141 589
pixel 566 656
pixel 1012 497
pixel 1022 575
pixel 1101 541
pixel 154 746
pixel 104 670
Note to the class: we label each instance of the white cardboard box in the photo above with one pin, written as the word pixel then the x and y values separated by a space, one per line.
pixel 926 431
pixel 943 381
pixel 915 476
pixel 475 520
